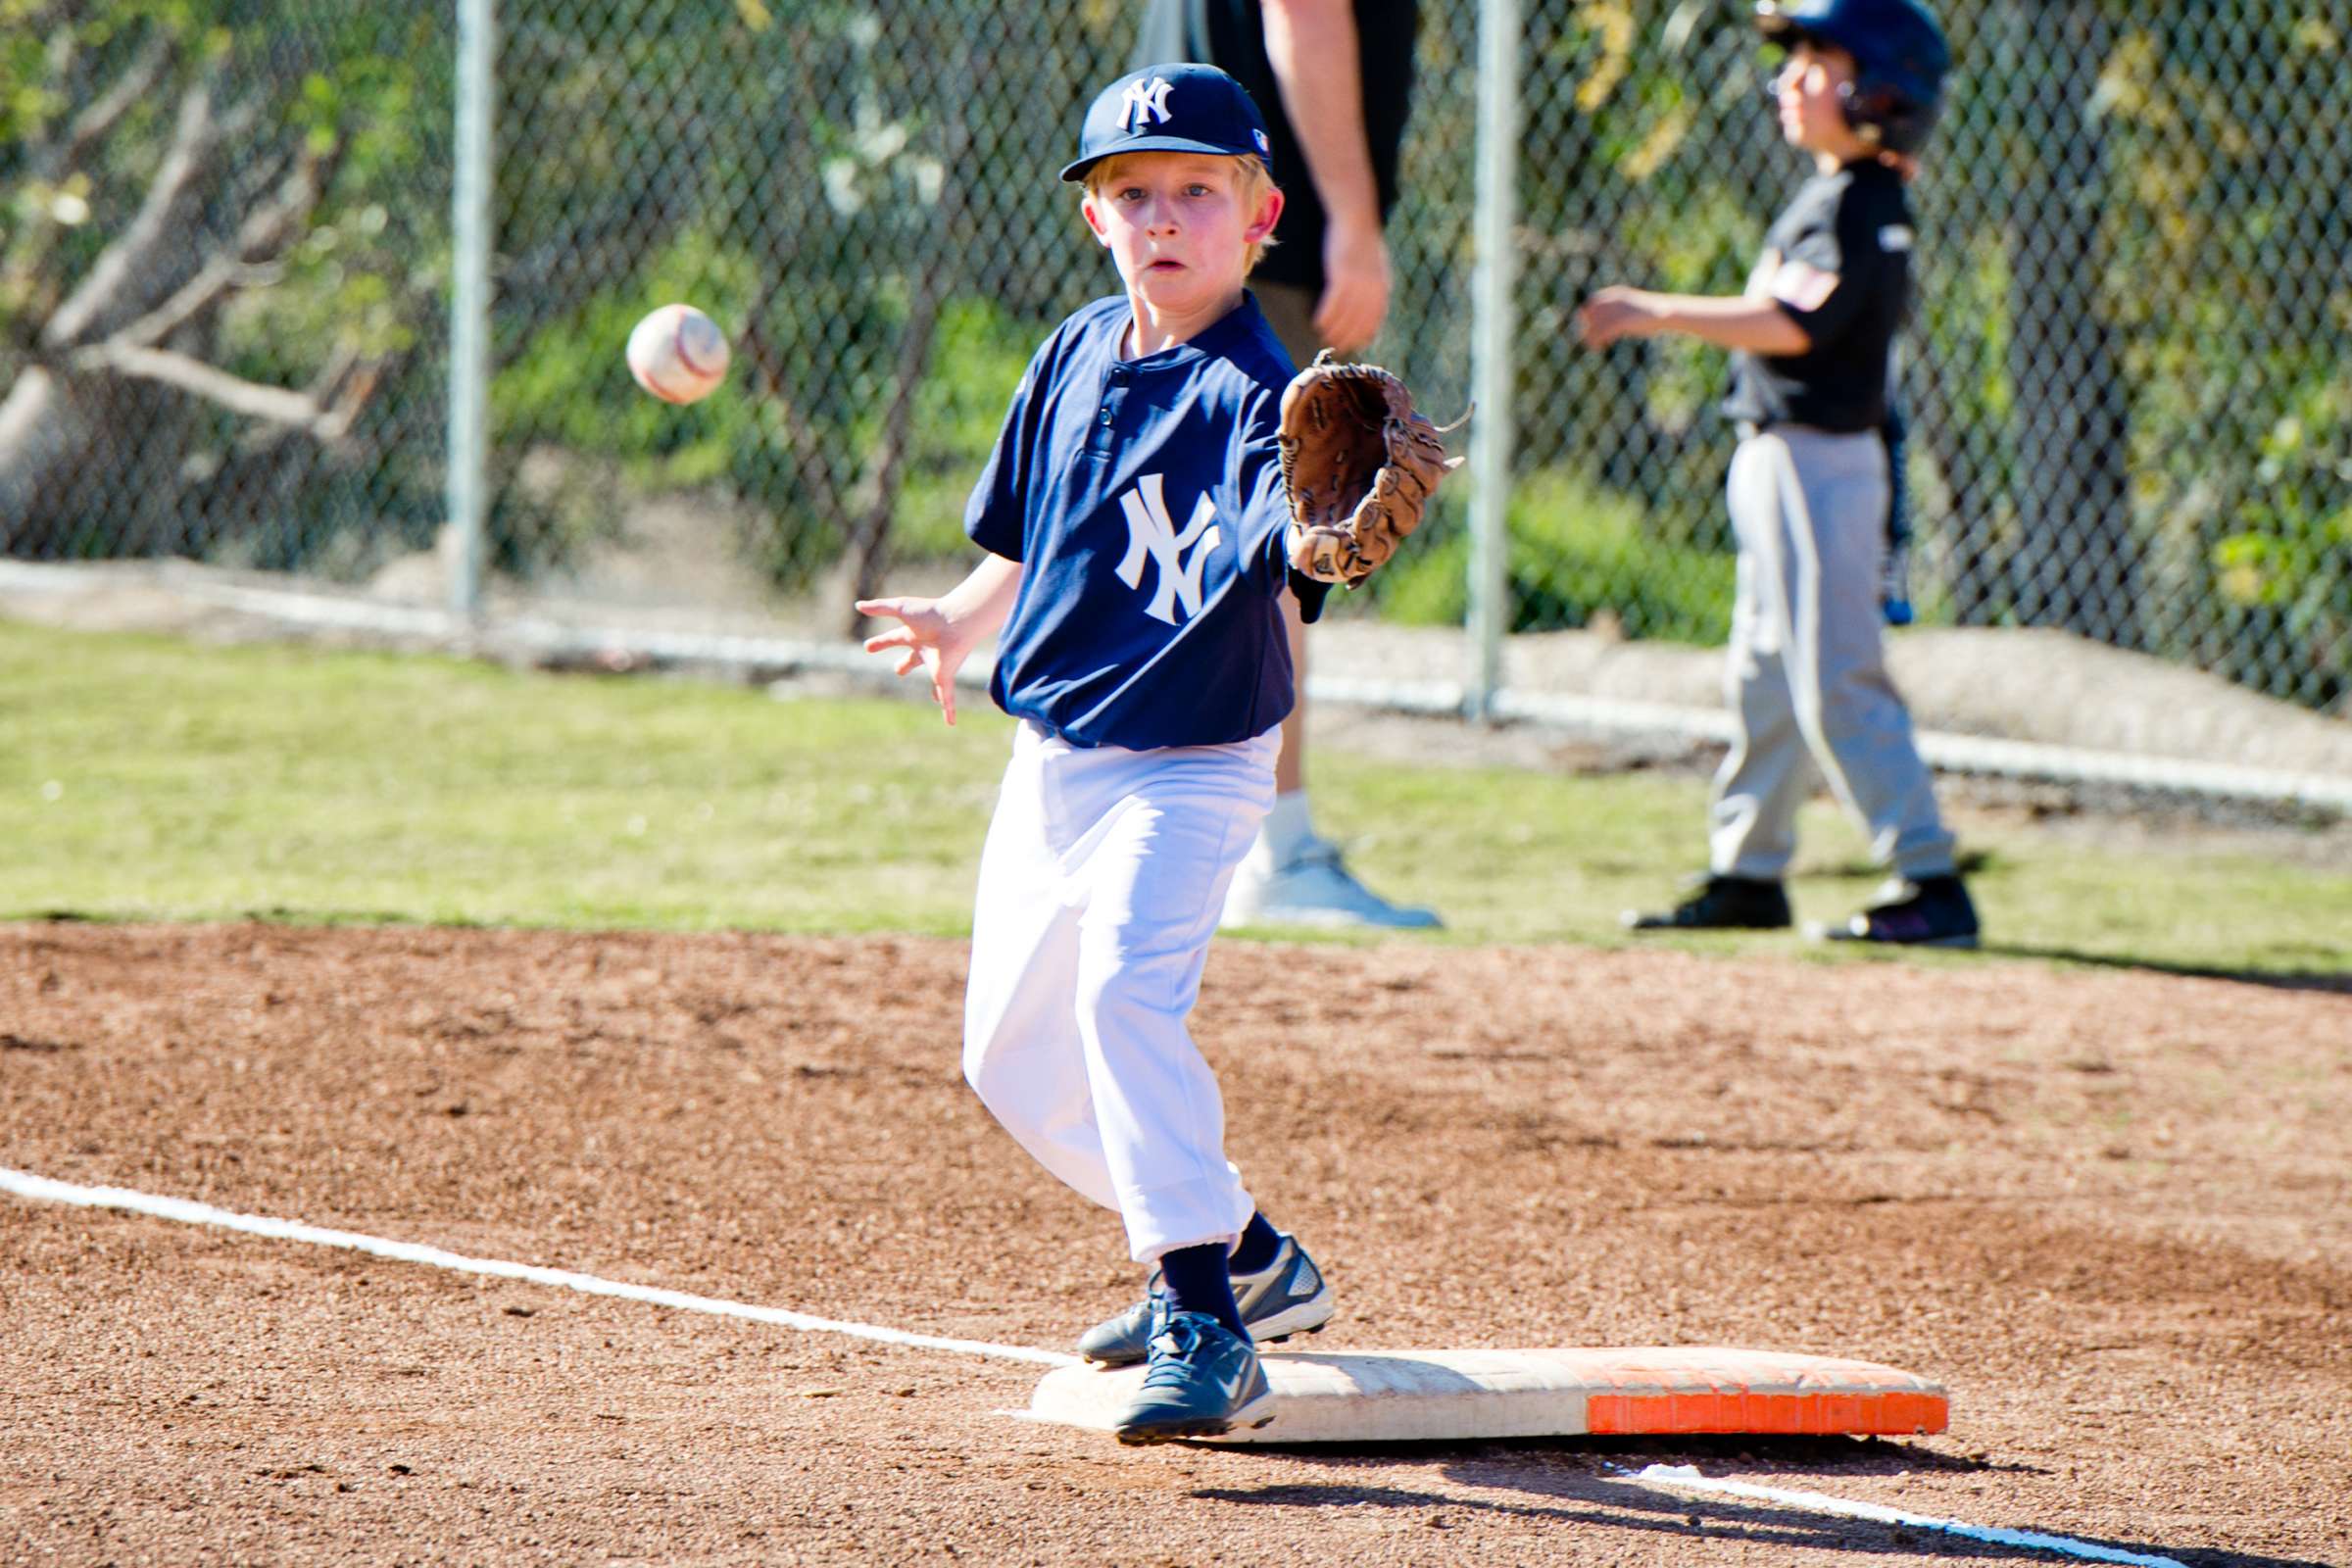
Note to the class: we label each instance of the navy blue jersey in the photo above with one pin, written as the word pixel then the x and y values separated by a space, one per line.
pixel 1144 498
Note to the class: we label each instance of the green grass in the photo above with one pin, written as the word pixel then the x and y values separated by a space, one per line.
pixel 1511 856
pixel 151 779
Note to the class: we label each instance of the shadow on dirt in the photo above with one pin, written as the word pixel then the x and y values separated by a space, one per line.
pixel 2335 981
pixel 1807 1457
pixel 1597 1487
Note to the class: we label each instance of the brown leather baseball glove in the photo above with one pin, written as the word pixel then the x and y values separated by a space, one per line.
pixel 1360 465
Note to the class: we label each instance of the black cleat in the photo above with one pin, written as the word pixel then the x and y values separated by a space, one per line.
pixel 1934 911
pixel 1722 904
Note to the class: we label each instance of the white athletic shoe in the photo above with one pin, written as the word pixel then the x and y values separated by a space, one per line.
pixel 1314 887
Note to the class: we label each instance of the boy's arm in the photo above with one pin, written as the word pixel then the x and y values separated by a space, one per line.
pixel 981 601
pixel 1265 506
pixel 1730 321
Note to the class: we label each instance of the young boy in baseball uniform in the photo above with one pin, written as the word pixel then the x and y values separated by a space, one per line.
pixel 1132 519
pixel 1813 480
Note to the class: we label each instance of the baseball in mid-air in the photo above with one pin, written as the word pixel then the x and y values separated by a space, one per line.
pixel 678 354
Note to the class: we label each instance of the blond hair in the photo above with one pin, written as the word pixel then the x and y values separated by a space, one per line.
pixel 1252 184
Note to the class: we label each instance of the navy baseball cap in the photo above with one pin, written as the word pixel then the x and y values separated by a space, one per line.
pixel 1179 108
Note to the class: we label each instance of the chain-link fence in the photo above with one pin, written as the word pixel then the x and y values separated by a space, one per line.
pixel 2128 373
pixel 221 282
pixel 226 302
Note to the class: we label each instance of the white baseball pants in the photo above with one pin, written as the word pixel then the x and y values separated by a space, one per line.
pixel 1099 888
pixel 1807 675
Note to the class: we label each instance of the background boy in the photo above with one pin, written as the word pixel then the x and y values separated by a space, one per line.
pixel 1133 519
pixel 1814 480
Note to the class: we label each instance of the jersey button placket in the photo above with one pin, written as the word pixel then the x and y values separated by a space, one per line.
pixel 1107 421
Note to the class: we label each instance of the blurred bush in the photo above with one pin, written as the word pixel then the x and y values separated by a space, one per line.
pixel 1580 557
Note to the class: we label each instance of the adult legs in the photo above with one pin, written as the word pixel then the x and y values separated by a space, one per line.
pixel 1293 875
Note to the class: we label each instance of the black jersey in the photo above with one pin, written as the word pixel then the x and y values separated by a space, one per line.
pixel 1843 273
pixel 1231 35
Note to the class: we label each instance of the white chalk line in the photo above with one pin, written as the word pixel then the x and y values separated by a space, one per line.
pixel 45 1189
pixel 1686 1478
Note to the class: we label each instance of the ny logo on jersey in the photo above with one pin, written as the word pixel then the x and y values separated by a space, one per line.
pixel 1152 536
pixel 1143 102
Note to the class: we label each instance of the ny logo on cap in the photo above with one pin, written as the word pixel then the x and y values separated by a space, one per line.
pixel 1143 102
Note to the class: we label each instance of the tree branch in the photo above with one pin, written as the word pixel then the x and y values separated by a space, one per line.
pixel 140 252
pixel 219 278
pixel 152 250
pixel 60 159
pixel 329 421
pixel 261 239
pixel 344 387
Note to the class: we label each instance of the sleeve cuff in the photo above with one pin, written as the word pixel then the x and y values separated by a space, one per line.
pixel 1310 595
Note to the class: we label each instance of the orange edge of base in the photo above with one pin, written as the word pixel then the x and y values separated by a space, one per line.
pixel 1806 1414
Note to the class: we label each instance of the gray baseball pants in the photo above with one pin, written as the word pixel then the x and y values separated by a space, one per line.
pixel 1807 674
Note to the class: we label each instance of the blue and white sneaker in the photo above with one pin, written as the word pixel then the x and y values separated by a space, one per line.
pixel 1202 1381
pixel 1287 1296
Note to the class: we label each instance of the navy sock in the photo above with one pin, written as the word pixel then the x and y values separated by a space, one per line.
pixel 1197 1279
pixel 1257 1247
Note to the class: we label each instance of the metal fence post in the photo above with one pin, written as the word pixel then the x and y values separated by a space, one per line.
pixel 1493 325
pixel 469 301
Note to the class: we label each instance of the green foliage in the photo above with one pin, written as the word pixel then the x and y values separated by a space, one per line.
pixel 572 386
pixel 343 305
pixel 795 181
pixel 570 383
pixel 2243 411
pixel 981 355
pixel 820 176
pixel 1578 554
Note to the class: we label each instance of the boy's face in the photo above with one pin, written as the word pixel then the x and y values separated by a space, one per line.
pixel 1811 114
pixel 1176 226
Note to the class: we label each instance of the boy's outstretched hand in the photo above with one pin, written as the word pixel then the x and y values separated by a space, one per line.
pixel 1614 312
pixel 932 640
pixel 939 634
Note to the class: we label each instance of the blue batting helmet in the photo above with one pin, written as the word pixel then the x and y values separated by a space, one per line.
pixel 1900 59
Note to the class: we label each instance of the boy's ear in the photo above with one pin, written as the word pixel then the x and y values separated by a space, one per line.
pixel 1094 219
pixel 1269 213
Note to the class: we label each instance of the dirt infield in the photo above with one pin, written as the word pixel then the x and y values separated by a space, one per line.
pixel 2112 1210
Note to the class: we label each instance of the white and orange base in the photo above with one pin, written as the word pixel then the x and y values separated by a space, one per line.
pixel 1424 1395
